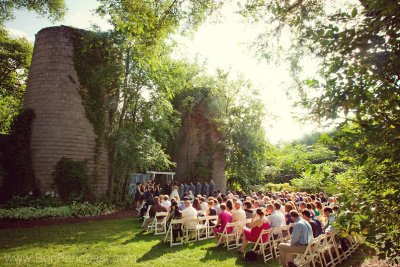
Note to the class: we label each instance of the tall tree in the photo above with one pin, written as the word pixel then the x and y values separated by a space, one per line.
pixel 245 140
pixel 15 58
pixel 54 9
pixel 357 46
pixel 145 119
pixel 15 55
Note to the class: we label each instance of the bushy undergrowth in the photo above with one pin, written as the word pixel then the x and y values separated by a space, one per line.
pixel 73 210
pixel 87 209
pixel 72 180
pixel 26 213
pixel 273 187
pixel 44 201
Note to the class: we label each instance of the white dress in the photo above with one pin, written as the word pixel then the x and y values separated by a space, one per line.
pixel 174 193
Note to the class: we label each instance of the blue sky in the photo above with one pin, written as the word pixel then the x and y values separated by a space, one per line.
pixel 222 45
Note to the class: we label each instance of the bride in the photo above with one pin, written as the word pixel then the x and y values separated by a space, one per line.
pixel 174 193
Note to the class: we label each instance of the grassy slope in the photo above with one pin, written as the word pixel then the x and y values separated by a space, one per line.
pixel 113 242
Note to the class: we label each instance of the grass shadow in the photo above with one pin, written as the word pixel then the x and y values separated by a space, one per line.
pixel 160 250
pixel 222 254
pixel 219 254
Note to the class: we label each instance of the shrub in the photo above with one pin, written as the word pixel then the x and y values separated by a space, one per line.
pixel 87 209
pixel 272 187
pixel 72 179
pixel 26 213
pixel 47 200
pixel 75 209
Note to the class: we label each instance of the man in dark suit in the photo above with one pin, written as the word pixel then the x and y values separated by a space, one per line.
pixel 211 188
pixel 197 189
pixel 205 189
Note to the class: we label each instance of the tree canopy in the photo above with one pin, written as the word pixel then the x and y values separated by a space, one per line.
pixel 15 55
pixel 53 9
pixel 356 45
pixel 15 58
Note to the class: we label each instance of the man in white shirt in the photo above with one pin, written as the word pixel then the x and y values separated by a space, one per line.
pixel 189 213
pixel 239 215
pixel 276 218
pixel 166 203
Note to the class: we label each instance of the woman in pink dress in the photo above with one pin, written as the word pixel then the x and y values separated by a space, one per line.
pixel 258 223
pixel 224 218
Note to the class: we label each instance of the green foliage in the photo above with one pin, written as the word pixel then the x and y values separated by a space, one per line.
pixel 144 124
pixel 19 177
pixel 119 243
pixel 272 187
pixel 43 201
pixel 374 187
pixel 72 180
pixel 15 58
pixel 98 63
pixel 357 50
pixel 311 181
pixel 293 159
pixel 73 210
pixel 88 209
pixel 233 107
pixel 150 22
pixel 246 145
pixel 54 9
pixel 141 151
pixel 28 213
pixel 99 68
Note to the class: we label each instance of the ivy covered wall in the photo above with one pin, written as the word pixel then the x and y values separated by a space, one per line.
pixel 67 124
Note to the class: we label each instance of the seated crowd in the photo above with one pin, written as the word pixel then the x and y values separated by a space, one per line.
pixel 310 214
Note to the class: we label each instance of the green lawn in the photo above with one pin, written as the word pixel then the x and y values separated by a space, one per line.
pixel 113 242
pixel 120 243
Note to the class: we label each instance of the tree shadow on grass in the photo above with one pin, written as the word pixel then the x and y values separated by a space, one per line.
pixel 159 250
pixel 219 254
pixel 140 236
pixel 222 254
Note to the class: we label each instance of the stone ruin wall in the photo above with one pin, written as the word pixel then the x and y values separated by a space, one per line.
pixel 197 142
pixel 60 128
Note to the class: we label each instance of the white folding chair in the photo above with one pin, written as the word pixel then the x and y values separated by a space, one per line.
pixel 344 254
pixel 190 230
pixel 276 238
pixel 264 246
pixel 211 223
pixel 339 257
pixel 174 224
pixel 311 255
pixel 146 215
pixel 202 228
pixel 326 251
pixel 200 213
pixel 286 232
pixel 160 223
pixel 353 242
pixel 340 250
pixel 231 238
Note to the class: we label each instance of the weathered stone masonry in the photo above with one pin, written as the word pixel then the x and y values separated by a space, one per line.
pixel 197 141
pixel 60 128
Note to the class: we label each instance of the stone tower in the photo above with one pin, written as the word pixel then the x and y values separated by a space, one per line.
pixel 198 154
pixel 60 128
